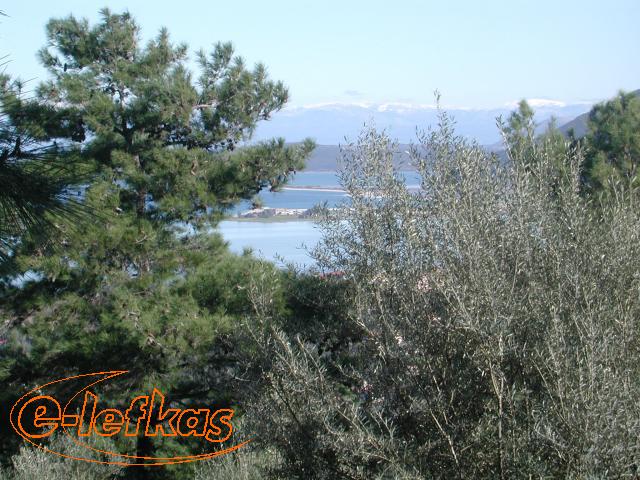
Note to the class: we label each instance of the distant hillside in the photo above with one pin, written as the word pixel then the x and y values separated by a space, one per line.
pixel 579 124
pixel 325 158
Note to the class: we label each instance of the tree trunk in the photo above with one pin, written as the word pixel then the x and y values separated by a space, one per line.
pixel 141 202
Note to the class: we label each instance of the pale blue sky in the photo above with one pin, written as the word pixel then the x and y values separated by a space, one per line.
pixel 477 53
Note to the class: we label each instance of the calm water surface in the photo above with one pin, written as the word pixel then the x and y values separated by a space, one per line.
pixel 288 239
pixel 273 240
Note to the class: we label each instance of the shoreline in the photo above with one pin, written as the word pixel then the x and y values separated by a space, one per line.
pixel 266 214
pixel 311 188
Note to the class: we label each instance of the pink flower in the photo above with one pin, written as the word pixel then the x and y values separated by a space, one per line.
pixel 424 285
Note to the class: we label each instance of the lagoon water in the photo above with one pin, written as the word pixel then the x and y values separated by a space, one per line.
pixel 288 239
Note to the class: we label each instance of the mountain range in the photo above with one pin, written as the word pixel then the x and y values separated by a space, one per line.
pixel 332 124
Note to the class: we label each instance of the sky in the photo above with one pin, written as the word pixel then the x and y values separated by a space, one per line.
pixel 477 54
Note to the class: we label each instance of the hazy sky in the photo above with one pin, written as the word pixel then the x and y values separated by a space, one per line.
pixel 478 53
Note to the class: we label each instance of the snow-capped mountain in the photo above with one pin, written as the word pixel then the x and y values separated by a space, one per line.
pixel 330 123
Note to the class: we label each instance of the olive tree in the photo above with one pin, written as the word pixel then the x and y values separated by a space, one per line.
pixel 494 316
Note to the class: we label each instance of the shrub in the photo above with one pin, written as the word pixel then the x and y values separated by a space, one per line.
pixel 33 462
pixel 498 314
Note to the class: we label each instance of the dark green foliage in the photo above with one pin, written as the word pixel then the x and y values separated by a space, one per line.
pixel 145 286
pixel 156 129
pixel 613 143
pixel 36 175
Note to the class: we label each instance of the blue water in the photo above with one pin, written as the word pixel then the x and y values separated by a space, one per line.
pixel 310 198
pixel 315 179
pixel 288 239
pixel 330 179
pixel 273 240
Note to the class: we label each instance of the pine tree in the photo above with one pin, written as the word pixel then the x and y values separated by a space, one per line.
pixel 613 142
pixel 35 182
pixel 146 287
pixel 519 130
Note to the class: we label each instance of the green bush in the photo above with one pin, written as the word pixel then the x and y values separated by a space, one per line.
pixel 497 312
pixel 33 462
